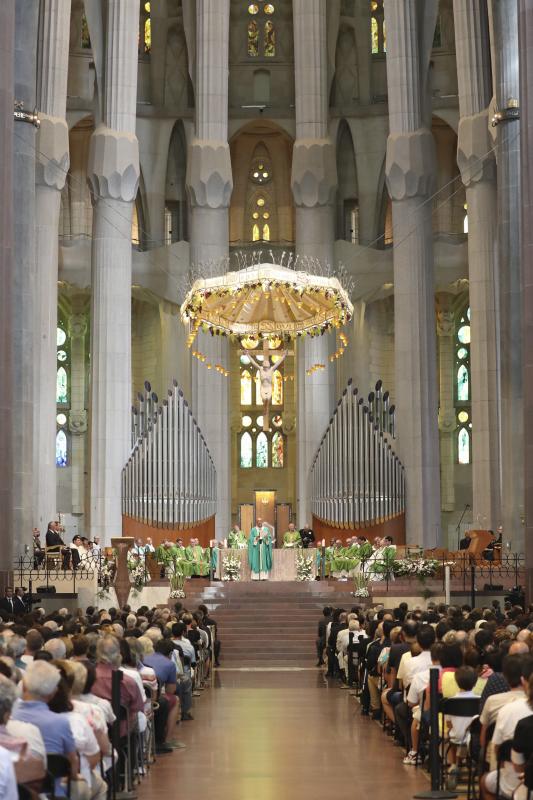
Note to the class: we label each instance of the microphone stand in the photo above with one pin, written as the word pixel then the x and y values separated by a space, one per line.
pixel 458 529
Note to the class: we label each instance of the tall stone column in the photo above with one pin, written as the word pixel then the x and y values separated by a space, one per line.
pixel 314 184
pixel 410 170
pixel 77 419
pixel 113 177
pixel 23 300
pixel 478 171
pixel 51 171
pixel 8 443
pixel 445 336
pixel 506 93
pixel 525 11
pixel 209 185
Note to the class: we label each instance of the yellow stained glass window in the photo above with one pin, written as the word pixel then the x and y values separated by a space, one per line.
pixel 253 38
pixel 269 8
pixel 375 36
pixel 270 39
pixel 253 8
pixel 255 233
pixel 148 35
pixel 260 202
pixel 277 388
pixel 266 233
pixel 258 400
pixel 246 388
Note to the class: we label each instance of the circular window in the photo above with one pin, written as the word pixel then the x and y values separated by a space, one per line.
pixel 61 355
pixel 253 8
pixel 255 215
pixel 246 422
pixel 261 202
pixel 277 421
pixel 259 421
pixel 463 334
pixel 462 417
pixel 266 215
pixel 61 419
pixel 245 360
pixel 462 353
pixel 61 337
pixel 269 8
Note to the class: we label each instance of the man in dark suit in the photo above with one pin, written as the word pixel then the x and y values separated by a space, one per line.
pixel 53 539
pixel 307 536
pixel 322 631
pixel 10 603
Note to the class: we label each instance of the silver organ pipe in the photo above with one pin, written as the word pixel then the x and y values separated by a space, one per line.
pixel 169 479
pixel 356 478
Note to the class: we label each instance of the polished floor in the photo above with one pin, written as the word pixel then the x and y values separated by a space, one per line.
pixel 280 736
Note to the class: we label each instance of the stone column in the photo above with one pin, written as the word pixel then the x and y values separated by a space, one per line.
pixel 410 170
pixel 77 419
pixel 314 185
pixel 445 334
pixel 209 185
pixel 504 31
pixel 478 171
pixel 113 177
pixel 51 172
pixel 525 11
pixel 23 301
pixel 8 443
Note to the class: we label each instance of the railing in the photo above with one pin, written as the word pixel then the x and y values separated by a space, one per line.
pixel 42 571
pixel 356 477
pixel 170 477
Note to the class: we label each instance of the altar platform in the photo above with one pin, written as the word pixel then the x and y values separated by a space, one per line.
pixel 283 563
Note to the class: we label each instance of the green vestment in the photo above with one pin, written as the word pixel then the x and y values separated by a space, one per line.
pixel 260 552
pixel 292 539
pixel 237 540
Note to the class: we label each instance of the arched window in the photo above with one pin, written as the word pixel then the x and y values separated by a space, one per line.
pixel 85 36
pixel 462 388
pixel 379 35
pixel 277 388
pixel 258 400
pixel 246 451
pixel 62 393
pixel 145 28
pixel 246 388
pixel 277 450
pixel 261 451
pixel 261 29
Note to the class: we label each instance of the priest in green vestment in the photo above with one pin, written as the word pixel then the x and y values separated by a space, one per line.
pixel 237 539
pixel 198 558
pixel 260 551
pixel 292 537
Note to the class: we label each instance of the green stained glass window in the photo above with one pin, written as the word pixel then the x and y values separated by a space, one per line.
pixel 62 386
pixel 463 384
pixel 277 450
pixel 246 451
pixel 261 452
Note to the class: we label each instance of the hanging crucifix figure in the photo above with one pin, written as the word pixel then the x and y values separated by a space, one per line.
pixel 266 372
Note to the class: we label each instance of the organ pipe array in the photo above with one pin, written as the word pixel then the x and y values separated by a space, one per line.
pixel 170 478
pixel 356 477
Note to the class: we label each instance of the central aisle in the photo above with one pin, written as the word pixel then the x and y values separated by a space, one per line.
pixel 280 736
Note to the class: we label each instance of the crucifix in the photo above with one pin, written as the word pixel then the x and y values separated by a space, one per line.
pixel 266 371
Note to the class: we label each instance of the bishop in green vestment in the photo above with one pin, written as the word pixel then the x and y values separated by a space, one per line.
pixel 198 558
pixel 237 539
pixel 260 551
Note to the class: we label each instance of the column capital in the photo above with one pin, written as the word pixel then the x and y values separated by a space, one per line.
pixel 410 164
pixel 78 421
pixel 53 160
pixel 447 421
pixel 314 172
pixel 475 157
pixel 77 325
pixel 113 171
pixel 209 177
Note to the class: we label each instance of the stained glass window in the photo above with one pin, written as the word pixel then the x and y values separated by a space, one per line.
pixel 246 421
pixel 253 38
pixel 270 39
pixel 255 233
pixel 277 388
pixel 246 451
pixel 462 388
pixel 277 450
pixel 378 31
pixel 258 400
pixel 61 386
pixel 61 449
pixel 246 388
pixel 85 36
pixel 266 233
pixel 261 454
pixel 463 446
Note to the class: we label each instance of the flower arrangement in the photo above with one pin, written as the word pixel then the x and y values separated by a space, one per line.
pixel 416 567
pixel 139 575
pixel 360 585
pixel 231 568
pixel 176 576
pixel 304 567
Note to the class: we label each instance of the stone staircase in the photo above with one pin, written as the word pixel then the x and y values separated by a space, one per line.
pixel 268 624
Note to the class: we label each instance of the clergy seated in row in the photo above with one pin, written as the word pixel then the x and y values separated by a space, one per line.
pixel 292 537
pixel 192 561
pixel 260 551
pixel 237 539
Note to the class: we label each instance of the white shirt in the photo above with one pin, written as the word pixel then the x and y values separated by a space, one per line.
pixel 508 718
pixel 416 664
pixel 102 703
pixel 85 740
pixel 8 781
pixel 418 686
pixel 187 647
pixel 32 735
pixel 496 702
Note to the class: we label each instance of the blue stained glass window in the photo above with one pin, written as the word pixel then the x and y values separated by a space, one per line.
pixel 61 449
pixel 261 454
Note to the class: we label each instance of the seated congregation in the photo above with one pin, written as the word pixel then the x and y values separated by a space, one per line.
pixel 484 659
pixel 87 700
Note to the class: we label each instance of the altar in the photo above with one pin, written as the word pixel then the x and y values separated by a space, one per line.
pixel 283 563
